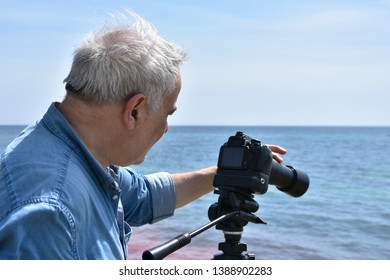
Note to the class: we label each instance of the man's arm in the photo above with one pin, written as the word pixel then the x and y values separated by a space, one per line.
pixel 38 231
pixel 192 185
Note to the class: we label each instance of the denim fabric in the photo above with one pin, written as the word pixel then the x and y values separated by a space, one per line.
pixel 58 202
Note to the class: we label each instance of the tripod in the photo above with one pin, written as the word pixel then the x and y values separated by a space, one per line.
pixel 229 214
pixel 231 199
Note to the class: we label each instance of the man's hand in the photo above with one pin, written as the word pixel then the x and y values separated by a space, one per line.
pixel 276 152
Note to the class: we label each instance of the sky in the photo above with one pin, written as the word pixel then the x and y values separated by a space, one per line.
pixel 251 62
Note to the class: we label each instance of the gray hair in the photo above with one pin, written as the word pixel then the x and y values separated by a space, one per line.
pixel 120 60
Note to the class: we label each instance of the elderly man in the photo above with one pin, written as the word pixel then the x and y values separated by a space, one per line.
pixel 65 186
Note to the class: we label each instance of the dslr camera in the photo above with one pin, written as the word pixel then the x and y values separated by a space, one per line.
pixel 245 164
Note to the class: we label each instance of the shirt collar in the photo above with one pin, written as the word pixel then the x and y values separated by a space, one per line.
pixel 59 126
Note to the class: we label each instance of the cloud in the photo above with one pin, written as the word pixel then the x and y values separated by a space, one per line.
pixel 341 17
pixel 334 19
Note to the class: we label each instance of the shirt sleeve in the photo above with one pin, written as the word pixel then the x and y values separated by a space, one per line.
pixel 146 198
pixel 37 231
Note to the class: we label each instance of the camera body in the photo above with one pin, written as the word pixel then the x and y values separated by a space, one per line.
pixel 244 163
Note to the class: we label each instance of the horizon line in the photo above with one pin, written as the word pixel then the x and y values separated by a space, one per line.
pixel 253 125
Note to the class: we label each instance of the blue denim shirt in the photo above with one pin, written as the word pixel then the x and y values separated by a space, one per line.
pixel 58 202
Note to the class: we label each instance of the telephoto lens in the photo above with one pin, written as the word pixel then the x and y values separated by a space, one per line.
pixel 289 179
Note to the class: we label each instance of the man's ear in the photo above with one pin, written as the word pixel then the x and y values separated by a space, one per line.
pixel 134 109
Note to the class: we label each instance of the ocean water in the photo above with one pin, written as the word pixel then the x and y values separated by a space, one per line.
pixel 344 215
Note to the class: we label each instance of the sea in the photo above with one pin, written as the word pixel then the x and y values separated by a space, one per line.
pixel 344 215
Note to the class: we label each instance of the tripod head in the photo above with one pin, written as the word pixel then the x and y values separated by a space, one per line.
pixel 244 205
pixel 245 167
